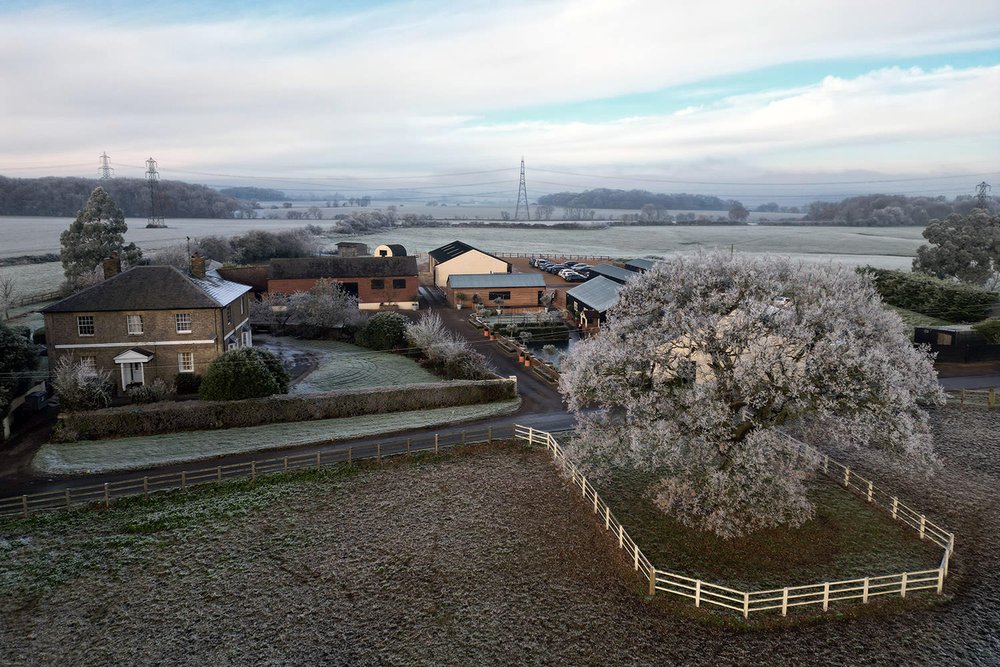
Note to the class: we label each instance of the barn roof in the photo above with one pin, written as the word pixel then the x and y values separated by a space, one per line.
pixel 598 293
pixel 152 288
pixel 616 273
pixel 495 280
pixel 456 249
pixel 640 264
pixel 343 267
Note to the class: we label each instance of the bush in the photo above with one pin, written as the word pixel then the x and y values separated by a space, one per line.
pixel 187 383
pixel 21 330
pixel 944 299
pixel 80 387
pixel 169 417
pixel 248 372
pixel 990 330
pixel 155 391
pixel 383 331
pixel 38 338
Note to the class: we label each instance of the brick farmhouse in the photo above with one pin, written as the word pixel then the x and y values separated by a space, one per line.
pixel 150 322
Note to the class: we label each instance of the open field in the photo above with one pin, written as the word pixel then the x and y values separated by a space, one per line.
pixel 135 453
pixel 479 558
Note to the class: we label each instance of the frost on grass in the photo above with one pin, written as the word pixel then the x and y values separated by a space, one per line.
pixel 145 451
pixel 345 366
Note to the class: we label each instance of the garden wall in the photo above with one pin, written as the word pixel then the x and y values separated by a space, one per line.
pixel 170 417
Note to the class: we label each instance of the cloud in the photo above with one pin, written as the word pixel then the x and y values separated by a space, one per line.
pixel 400 87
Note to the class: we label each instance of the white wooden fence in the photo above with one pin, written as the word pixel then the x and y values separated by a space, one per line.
pixel 748 602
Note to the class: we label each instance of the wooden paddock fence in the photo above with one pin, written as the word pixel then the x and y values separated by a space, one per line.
pixel 749 602
pixel 975 397
pixel 103 494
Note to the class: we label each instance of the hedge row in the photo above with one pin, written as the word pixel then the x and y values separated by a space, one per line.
pixel 944 299
pixel 171 417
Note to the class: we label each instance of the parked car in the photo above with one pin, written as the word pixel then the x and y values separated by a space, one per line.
pixel 537 262
pixel 574 277
pixel 556 268
pixel 580 265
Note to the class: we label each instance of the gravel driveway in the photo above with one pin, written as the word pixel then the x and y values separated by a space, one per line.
pixel 483 558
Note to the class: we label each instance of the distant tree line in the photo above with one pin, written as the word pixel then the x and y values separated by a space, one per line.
pixel 249 193
pixel 891 210
pixel 635 200
pixel 64 197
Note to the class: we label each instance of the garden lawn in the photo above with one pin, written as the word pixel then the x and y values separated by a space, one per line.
pixel 914 319
pixel 344 366
pixel 94 456
pixel 847 539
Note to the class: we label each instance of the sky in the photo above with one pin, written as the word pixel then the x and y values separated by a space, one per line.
pixel 782 100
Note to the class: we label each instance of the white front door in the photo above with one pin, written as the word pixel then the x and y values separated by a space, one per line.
pixel 132 373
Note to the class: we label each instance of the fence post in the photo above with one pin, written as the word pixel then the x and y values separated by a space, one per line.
pixel 870 489
pixel 318 455
pixel 746 605
pixel 435 443
pixel 697 593
pixel 595 502
pixel 531 435
pixel 923 523
pixel 607 518
pixel 902 587
pixel 864 592
pixel 635 554
pixel 962 401
pixel 107 498
pixel 826 464
pixel 652 581
pixel 784 602
pixel 183 479
pixel 847 477
pixel 895 507
pixel 349 450
pixel 67 497
pixel 145 484
pixel 24 504
pixel 378 452
pixel 489 434
pixel 940 583
pixel 826 596
pixel 463 437
pixel 286 463
pixel 621 536
pixel 253 470
pixel 583 486
pixel 218 473
pixel 991 398
pixel 408 445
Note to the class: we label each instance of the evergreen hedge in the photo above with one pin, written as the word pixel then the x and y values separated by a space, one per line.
pixel 171 416
pixel 383 331
pixel 944 299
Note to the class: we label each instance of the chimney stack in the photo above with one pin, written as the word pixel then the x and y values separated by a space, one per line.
pixel 198 266
pixel 111 266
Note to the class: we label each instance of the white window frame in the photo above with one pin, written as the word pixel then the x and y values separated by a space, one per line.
pixel 80 325
pixel 177 323
pixel 130 321
pixel 185 362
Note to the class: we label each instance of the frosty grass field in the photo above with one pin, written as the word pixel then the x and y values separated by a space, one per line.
pixel 889 247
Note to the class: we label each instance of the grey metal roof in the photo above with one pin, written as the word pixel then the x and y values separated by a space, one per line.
pixel 613 272
pixel 151 288
pixel 640 263
pixel 489 280
pixel 598 293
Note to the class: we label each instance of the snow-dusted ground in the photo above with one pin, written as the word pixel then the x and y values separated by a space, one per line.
pixel 479 559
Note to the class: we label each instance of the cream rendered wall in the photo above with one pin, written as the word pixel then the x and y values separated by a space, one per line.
pixel 471 262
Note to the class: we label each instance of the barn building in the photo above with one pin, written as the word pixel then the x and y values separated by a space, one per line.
pixel 516 291
pixel 461 258
pixel 390 250
pixel 640 265
pixel 589 302
pixel 612 272
pixel 377 282
pixel 352 249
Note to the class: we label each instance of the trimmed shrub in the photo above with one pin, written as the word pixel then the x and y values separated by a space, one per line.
pixel 945 299
pixel 383 331
pixel 170 416
pixel 247 372
pixel 155 391
pixel 990 330
pixel 187 383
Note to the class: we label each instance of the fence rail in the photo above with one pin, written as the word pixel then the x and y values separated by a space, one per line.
pixel 103 494
pixel 38 298
pixel 749 602
pixel 987 397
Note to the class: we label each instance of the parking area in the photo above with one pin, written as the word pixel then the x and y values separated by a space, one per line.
pixel 523 265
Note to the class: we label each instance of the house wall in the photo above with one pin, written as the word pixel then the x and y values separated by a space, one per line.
pixel 210 328
pixel 521 298
pixel 369 297
pixel 471 262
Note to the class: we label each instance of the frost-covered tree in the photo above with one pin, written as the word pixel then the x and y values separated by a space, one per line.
pixel 707 358
pixel 324 307
pixel 965 247
pixel 97 232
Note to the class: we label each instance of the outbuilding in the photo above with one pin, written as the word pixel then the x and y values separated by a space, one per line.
pixel 591 301
pixel 390 250
pixel 515 291
pixel 639 265
pixel 377 282
pixel 461 258
pixel 613 272
pixel 352 249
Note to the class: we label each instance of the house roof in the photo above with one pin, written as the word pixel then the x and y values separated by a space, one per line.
pixel 598 293
pixel 397 249
pixel 351 244
pixel 640 263
pixel 493 280
pixel 152 288
pixel 455 249
pixel 343 267
pixel 616 273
